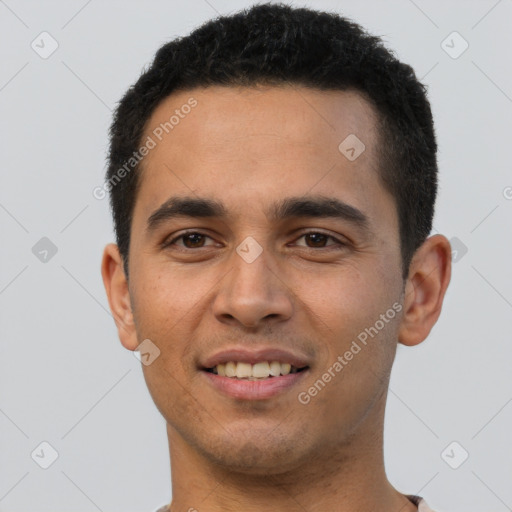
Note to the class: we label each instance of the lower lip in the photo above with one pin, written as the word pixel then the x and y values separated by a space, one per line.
pixel 254 389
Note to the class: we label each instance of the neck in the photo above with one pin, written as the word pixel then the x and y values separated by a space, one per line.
pixel 346 478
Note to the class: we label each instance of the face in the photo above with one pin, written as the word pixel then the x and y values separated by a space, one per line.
pixel 278 267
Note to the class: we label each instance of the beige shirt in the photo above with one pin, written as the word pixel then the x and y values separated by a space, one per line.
pixel 417 500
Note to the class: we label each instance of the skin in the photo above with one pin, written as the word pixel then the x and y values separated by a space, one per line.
pixel 250 147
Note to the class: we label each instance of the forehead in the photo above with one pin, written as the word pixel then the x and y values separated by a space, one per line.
pixel 252 145
pixel 234 120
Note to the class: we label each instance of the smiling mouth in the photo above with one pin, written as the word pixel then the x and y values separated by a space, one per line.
pixel 259 371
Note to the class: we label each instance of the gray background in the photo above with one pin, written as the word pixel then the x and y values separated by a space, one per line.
pixel 64 376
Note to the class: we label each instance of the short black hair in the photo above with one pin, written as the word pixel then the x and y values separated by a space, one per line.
pixel 275 44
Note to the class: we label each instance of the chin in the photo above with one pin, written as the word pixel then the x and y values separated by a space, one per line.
pixel 255 456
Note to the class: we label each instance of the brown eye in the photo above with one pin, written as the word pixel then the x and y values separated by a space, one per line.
pixel 195 239
pixel 191 240
pixel 318 240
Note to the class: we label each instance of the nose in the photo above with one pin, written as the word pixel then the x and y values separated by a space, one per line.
pixel 253 293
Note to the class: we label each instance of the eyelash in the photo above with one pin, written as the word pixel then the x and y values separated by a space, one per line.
pixel 339 244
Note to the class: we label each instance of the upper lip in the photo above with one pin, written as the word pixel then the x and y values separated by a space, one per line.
pixel 244 355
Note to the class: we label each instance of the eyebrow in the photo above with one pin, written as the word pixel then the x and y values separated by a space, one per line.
pixel 290 207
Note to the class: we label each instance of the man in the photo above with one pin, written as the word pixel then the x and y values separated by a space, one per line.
pixel 273 178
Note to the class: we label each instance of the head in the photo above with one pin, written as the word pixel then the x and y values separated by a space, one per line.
pixel 279 45
pixel 251 125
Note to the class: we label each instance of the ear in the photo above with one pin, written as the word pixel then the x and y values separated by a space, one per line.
pixel 116 286
pixel 428 279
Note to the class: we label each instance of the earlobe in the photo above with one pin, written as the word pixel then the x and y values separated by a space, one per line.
pixel 116 287
pixel 429 276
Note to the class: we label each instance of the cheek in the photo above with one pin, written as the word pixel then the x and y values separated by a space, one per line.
pixel 359 318
pixel 359 340
pixel 353 297
pixel 162 295
pixel 164 309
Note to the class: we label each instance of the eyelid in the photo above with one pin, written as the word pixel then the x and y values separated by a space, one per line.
pixel 170 240
pixel 340 240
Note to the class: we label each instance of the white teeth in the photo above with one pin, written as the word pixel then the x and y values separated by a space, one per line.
pixel 275 368
pixel 230 369
pixel 260 370
pixel 285 368
pixel 243 370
